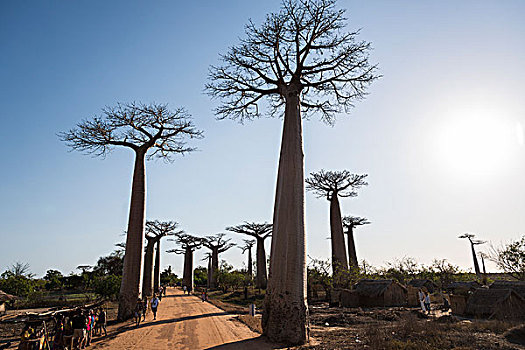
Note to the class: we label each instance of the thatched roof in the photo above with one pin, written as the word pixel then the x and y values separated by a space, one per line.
pixel 486 301
pixel 374 288
pixel 6 297
pixel 517 286
pixel 421 282
pixel 464 285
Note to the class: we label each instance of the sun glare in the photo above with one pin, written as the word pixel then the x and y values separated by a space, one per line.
pixel 476 144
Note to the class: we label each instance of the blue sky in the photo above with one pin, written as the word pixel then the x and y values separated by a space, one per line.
pixel 440 135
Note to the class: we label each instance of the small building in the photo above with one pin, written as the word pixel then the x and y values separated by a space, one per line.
pixel 381 293
pixel 516 286
pixel 413 287
pixel 4 297
pixel 496 303
pixel 462 288
pixel 458 304
pixel 349 298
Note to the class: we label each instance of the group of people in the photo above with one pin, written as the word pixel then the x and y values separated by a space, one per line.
pixel 424 300
pixel 142 307
pixel 76 331
pixel 186 289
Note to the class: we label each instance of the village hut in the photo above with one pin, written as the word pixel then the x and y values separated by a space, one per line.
pixel 349 298
pixel 516 286
pixel 462 288
pixel 496 303
pixel 458 304
pixel 413 287
pixel 4 297
pixel 381 293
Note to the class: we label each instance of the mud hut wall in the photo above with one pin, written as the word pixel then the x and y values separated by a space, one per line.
pixel 349 298
pixel 412 295
pixel 395 295
pixel 458 304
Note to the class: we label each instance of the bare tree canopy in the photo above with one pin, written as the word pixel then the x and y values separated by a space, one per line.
pixel 217 242
pixel 137 126
pixel 304 45
pixel 353 221
pixel 253 229
pixel 511 258
pixel 248 244
pixel 343 183
pixel 156 229
pixel 185 241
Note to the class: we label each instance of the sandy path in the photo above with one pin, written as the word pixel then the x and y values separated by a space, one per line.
pixel 183 322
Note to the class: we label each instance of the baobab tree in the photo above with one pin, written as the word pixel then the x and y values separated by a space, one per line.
pixel 332 185
pixel 247 247
pixel 350 222
pixel 155 231
pixel 260 232
pixel 187 245
pixel 150 131
pixel 300 60
pixel 217 244
pixel 207 257
pixel 473 242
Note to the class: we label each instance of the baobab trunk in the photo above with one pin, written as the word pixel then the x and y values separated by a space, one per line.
pixel 285 312
pixel 339 260
pixel 130 287
pixel 250 262
pixel 210 272
pixel 476 264
pixel 187 277
pixel 351 248
pixel 156 272
pixel 214 267
pixel 260 278
pixel 147 283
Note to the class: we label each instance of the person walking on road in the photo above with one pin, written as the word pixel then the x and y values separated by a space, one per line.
pixel 154 306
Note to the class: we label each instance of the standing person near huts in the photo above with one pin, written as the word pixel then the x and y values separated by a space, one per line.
pixel 427 302
pixel 421 298
pixel 154 306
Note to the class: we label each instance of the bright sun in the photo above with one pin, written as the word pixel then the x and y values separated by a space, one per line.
pixel 476 144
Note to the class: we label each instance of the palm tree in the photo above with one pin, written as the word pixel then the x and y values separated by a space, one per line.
pixel 260 232
pixel 217 245
pixel 350 222
pixel 155 231
pixel 299 60
pixel 332 185
pixel 141 128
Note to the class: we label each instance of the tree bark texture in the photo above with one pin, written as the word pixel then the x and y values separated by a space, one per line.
pixel 130 287
pixel 339 259
pixel 352 254
pixel 156 272
pixel 214 267
pixel 285 316
pixel 147 281
pixel 187 277
pixel 261 277
pixel 250 262
pixel 476 264
pixel 210 272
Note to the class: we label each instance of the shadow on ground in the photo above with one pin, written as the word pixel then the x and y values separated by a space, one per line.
pixel 259 343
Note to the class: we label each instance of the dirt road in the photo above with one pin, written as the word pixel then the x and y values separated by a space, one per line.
pixel 183 322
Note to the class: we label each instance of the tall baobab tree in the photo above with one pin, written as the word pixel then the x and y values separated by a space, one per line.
pixel 217 244
pixel 187 245
pixel 155 231
pixel 207 257
pixel 260 232
pixel 150 131
pixel 332 185
pixel 247 247
pixel 473 242
pixel 300 60
pixel 350 222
